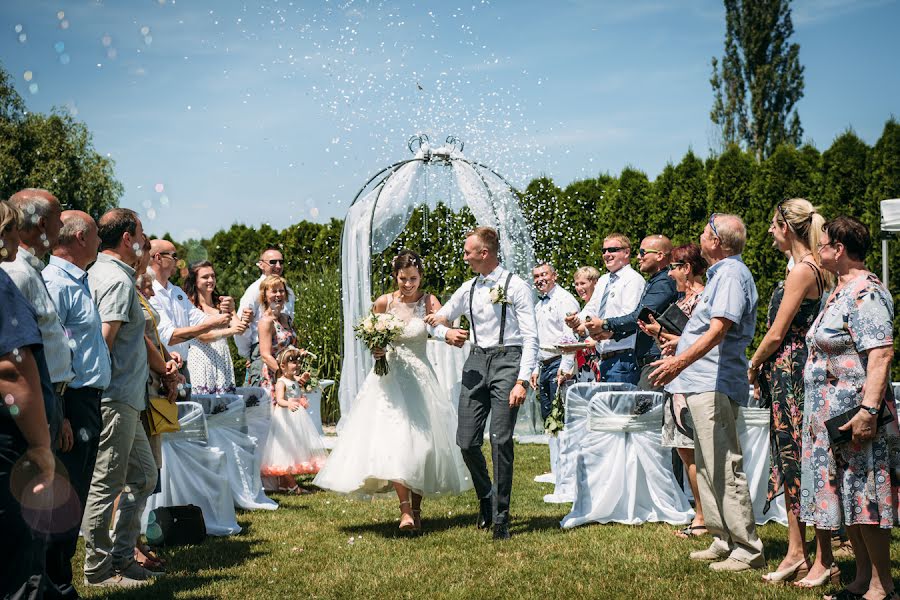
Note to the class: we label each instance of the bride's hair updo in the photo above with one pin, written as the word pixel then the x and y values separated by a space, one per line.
pixel 404 260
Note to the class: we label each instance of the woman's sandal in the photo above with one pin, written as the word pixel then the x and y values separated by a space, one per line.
pixel 150 560
pixel 407 522
pixel 833 574
pixel 784 576
pixel 690 532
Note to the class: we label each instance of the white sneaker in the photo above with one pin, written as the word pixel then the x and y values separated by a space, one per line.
pixel 115 581
pixel 137 572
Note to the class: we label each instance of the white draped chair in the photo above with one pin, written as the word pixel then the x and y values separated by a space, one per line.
pixel 753 433
pixel 623 474
pixel 568 442
pixel 228 432
pixel 194 472
pixel 258 416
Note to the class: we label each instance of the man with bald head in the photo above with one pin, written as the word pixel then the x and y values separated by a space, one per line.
pixel 67 282
pixel 654 257
pixel 271 262
pixel 710 369
pixel 38 234
pixel 179 320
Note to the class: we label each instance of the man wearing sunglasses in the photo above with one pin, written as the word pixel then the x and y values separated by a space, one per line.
pixel 271 262
pixel 709 368
pixel 654 257
pixel 617 294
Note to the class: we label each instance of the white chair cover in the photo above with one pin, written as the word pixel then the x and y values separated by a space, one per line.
pixel 258 414
pixel 623 474
pixel 194 473
pixel 753 433
pixel 578 396
pixel 228 432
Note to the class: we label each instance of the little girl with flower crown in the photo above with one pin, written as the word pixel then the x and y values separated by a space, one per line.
pixel 293 446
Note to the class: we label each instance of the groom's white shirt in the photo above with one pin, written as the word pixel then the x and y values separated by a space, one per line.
pixel 521 327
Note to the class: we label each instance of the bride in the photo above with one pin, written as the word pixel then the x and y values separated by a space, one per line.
pixel 401 430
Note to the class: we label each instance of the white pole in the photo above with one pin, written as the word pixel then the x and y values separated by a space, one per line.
pixel 885 260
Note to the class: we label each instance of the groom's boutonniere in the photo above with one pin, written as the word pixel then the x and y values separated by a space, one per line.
pixel 498 295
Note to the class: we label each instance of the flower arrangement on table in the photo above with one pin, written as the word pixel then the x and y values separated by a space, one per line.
pixel 378 331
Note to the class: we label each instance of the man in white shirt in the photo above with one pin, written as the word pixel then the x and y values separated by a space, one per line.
pixel 550 311
pixel 39 234
pixel 271 262
pixel 500 309
pixel 179 320
pixel 618 293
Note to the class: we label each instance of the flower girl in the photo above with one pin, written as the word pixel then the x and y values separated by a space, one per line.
pixel 293 446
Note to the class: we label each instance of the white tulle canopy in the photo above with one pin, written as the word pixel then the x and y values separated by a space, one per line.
pixel 381 211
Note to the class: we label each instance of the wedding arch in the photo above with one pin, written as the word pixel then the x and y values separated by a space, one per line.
pixel 380 212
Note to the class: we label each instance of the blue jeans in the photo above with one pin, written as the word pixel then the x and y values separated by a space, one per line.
pixel 620 368
pixel 547 386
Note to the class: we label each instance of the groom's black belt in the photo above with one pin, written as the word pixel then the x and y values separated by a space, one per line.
pixel 495 349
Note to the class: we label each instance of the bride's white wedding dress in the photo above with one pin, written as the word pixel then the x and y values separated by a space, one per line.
pixel 402 427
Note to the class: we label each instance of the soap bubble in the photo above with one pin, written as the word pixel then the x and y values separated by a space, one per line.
pixel 33 88
pixel 27 75
pixel 159 188
pixel 59 47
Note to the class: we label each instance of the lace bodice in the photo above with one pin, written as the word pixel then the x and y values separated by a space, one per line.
pixel 414 335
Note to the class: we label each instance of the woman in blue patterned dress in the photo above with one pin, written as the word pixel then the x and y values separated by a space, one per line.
pixel 854 484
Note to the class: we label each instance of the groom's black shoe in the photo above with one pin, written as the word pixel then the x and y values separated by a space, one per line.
pixel 485 513
pixel 501 531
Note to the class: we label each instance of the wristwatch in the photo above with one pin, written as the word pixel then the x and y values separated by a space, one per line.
pixel 522 382
pixel 872 411
pixel 605 326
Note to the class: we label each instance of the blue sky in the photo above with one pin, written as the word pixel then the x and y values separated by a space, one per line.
pixel 275 111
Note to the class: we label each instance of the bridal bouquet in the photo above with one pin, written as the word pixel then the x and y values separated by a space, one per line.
pixel 378 331
pixel 554 422
pixel 309 366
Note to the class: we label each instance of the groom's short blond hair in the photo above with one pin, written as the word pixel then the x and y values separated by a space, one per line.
pixel 488 238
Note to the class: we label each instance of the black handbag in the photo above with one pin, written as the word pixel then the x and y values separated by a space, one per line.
pixel 176 526
pixel 842 437
pixel 673 319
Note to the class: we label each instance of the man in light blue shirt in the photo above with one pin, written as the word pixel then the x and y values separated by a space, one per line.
pixel 710 369
pixel 67 283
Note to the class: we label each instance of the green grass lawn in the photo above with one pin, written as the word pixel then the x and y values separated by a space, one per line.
pixel 323 545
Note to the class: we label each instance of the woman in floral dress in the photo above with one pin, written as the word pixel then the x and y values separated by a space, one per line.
pixel 777 368
pixel 275 330
pixel 854 484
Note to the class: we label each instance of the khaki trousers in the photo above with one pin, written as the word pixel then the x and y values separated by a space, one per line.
pixel 124 466
pixel 720 478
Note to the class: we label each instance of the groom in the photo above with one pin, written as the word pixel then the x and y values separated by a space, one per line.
pixel 500 310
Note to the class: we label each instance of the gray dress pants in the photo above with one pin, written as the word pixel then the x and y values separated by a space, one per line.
pixel 488 377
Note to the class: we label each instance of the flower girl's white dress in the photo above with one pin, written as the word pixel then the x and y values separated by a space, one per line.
pixel 293 446
pixel 402 426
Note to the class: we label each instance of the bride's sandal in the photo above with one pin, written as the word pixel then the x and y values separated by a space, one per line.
pixel 407 522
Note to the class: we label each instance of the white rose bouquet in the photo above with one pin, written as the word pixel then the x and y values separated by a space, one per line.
pixel 378 331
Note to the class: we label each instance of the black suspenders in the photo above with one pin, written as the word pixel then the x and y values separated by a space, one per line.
pixel 502 310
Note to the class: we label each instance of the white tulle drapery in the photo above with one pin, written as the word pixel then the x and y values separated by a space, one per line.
pixel 381 213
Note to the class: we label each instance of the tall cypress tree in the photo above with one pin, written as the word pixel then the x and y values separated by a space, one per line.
pixel 760 61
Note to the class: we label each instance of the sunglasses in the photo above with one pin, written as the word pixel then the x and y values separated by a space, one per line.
pixel 781 212
pixel 614 249
pixel 276 261
pixel 676 264
pixel 831 243
pixel 712 224
pixel 172 255
pixel 645 251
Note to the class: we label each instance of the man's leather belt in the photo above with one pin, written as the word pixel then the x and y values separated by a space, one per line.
pixel 613 353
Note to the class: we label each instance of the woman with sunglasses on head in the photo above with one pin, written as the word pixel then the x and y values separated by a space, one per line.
pixel 776 369
pixel 851 482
